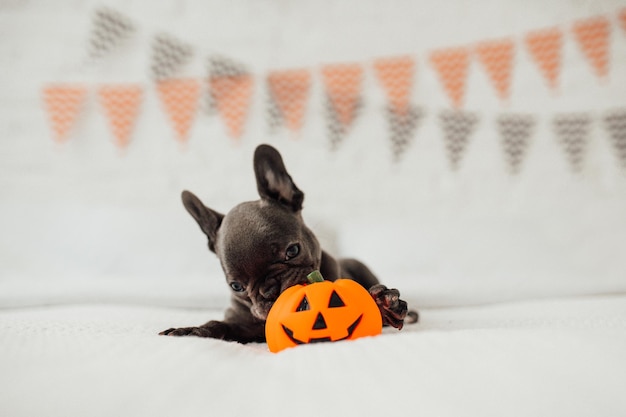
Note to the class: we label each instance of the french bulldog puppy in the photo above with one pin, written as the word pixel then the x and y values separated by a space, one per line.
pixel 264 247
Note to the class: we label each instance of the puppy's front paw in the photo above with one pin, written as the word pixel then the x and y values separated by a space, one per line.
pixel 392 308
pixel 212 329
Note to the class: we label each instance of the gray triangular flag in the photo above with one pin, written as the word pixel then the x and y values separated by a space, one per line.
pixel 169 55
pixel 109 29
pixel 402 127
pixel 337 130
pixel 515 131
pixel 457 126
pixel 615 123
pixel 572 132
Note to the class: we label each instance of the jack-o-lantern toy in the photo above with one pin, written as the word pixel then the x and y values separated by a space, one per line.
pixel 322 311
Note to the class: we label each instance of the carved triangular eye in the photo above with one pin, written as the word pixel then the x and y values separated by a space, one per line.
pixel 335 300
pixel 304 305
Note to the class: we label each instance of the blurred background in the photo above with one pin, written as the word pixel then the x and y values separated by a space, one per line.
pixel 468 151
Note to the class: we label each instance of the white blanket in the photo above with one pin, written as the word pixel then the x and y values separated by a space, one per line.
pixel 561 357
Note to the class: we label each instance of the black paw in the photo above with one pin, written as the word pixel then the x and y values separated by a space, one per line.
pixel 392 308
pixel 213 329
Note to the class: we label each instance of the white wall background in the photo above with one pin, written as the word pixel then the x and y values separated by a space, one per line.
pixel 83 221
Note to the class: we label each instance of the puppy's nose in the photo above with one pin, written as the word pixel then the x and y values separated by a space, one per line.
pixel 270 290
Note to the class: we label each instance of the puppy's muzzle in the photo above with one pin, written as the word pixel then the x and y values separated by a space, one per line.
pixel 270 289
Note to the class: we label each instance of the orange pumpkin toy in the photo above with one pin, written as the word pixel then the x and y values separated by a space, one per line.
pixel 322 311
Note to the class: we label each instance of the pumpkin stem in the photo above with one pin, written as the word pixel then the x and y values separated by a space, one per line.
pixel 314 277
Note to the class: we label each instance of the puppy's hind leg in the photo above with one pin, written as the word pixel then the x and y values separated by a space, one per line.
pixel 357 271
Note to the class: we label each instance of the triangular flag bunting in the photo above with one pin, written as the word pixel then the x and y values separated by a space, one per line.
pixel 218 67
pixel 121 106
pixel 232 96
pixel 336 129
pixel 396 77
pixel 109 29
pixel 457 127
pixel 622 19
pixel 592 36
pixel 545 48
pixel 615 123
pixel 168 56
pixel 180 99
pixel 572 131
pixel 515 131
pixel 343 93
pixel 343 87
pixel 497 59
pixel 288 95
pixel 230 89
pixel 63 104
pixel 402 126
pixel 452 67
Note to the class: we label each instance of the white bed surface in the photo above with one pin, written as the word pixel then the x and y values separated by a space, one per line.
pixel 561 357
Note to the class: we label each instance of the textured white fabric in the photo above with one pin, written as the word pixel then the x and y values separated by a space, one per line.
pixel 552 357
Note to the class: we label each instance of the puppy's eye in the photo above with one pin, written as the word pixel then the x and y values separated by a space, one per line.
pixel 292 251
pixel 237 286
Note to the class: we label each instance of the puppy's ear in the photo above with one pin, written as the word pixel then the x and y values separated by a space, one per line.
pixel 208 220
pixel 272 180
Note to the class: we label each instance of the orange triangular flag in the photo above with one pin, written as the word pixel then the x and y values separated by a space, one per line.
pixel 497 58
pixel 452 65
pixel 592 36
pixel 290 90
pixel 545 48
pixel 343 86
pixel 121 106
pixel 396 77
pixel 622 19
pixel 232 98
pixel 180 99
pixel 63 104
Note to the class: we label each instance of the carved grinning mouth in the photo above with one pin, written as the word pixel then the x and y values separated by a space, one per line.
pixel 351 330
